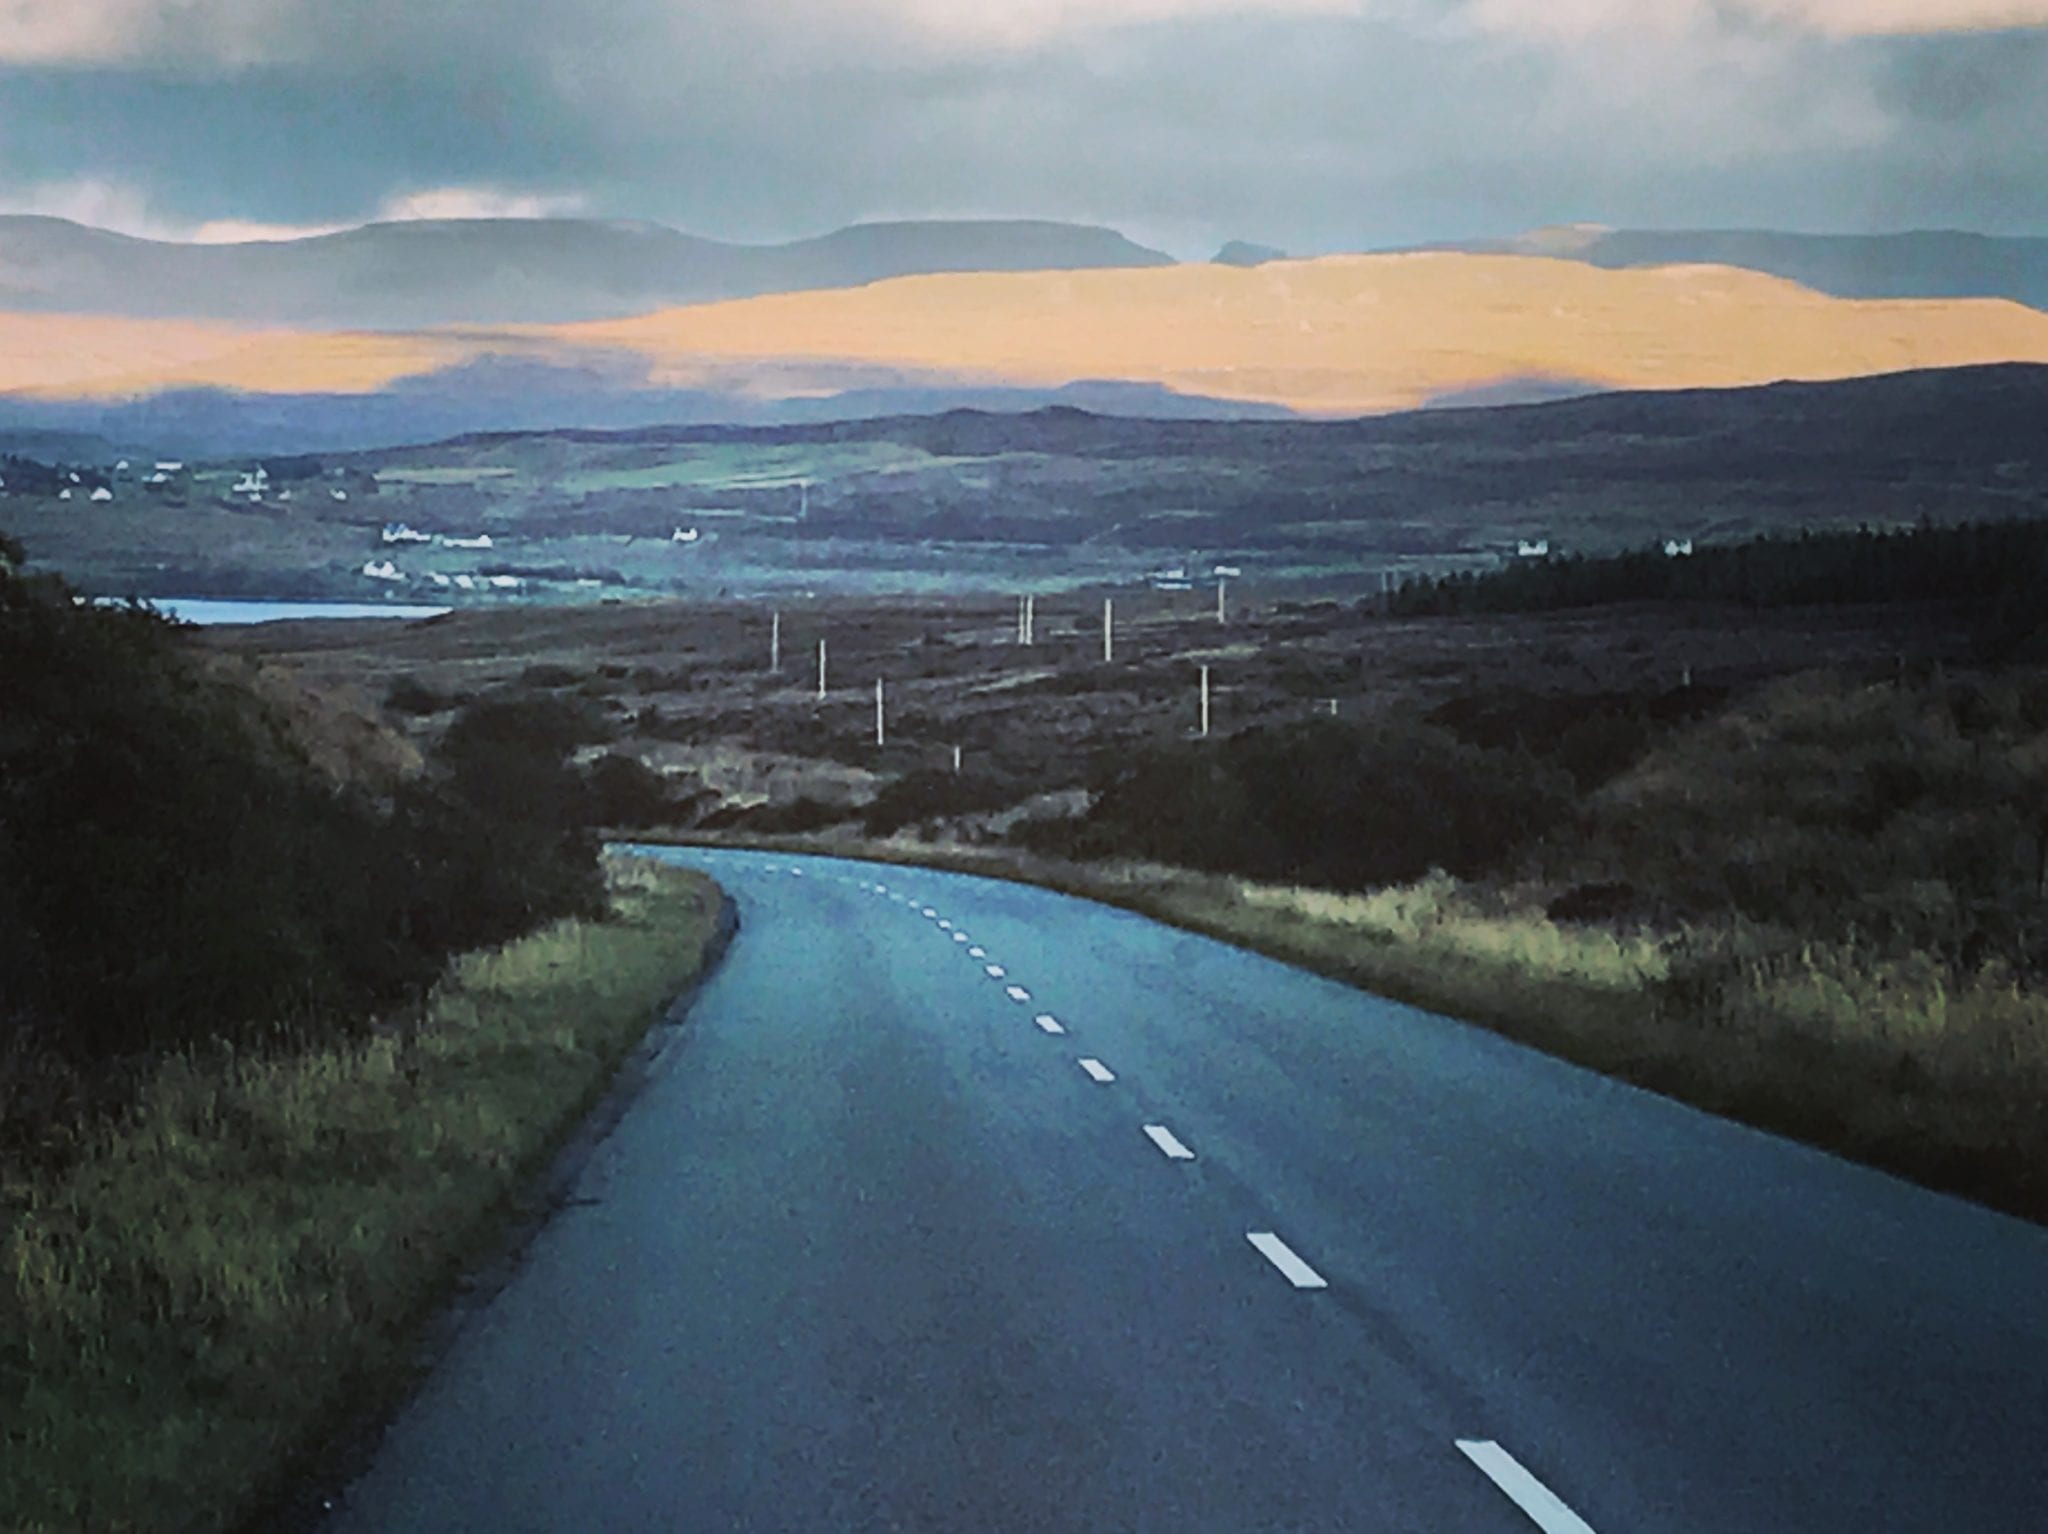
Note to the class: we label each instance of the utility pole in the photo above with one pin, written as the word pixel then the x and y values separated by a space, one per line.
pixel 1020 621
pixel 1220 585
pixel 878 711
pixel 1030 618
pixel 775 644
pixel 1205 702
pixel 1108 629
pixel 821 671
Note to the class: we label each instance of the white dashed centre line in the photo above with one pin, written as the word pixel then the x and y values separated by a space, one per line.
pixel 945 926
pixel 1049 1023
pixel 1017 993
pixel 961 937
pixel 977 952
pixel 1169 1147
pixel 994 971
pixel 929 914
pixel 1543 1506
pixel 1281 1255
pixel 1098 1071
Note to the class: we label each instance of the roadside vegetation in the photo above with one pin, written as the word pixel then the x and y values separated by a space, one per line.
pixel 286 1022
pixel 1762 827
pixel 1815 899
pixel 214 1281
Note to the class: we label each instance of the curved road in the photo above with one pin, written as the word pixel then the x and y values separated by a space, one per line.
pixel 967 1206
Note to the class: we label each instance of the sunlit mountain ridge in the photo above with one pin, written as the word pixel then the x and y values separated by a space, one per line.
pixel 1342 335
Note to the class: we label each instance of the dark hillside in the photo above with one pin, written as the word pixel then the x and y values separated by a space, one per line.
pixel 175 870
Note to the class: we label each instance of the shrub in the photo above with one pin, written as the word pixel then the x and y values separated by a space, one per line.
pixel 624 791
pixel 1340 805
pixel 173 871
pixel 409 695
pixel 930 794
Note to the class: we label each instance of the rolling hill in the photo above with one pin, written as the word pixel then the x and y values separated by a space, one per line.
pixel 498 271
pixel 967 500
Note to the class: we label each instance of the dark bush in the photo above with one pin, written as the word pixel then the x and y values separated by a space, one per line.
pixel 625 791
pixel 549 674
pixel 1603 901
pixel 409 695
pixel 173 871
pixel 1342 805
pixel 929 794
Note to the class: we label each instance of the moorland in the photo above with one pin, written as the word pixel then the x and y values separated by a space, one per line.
pixel 1775 846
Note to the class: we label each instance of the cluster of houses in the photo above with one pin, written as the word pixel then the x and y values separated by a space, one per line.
pixel 167 475
pixel 400 534
pixel 388 572
pixel 1184 577
pixel 1539 548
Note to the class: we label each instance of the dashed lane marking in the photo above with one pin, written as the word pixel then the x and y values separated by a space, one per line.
pixel 1282 1256
pixel 961 937
pixel 977 952
pixel 1169 1147
pixel 1017 993
pixel 1049 1023
pixel 1098 1071
pixel 1543 1506
pixel 994 971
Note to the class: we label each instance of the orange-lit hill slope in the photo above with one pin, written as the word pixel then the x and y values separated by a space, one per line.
pixel 71 356
pixel 1340 335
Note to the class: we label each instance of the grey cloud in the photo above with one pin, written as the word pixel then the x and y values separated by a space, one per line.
pixel 1401 125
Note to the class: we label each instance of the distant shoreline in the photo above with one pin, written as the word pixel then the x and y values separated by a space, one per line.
pixel 208 611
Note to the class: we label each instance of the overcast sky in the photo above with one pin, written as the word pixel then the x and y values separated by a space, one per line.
pixel 1311 124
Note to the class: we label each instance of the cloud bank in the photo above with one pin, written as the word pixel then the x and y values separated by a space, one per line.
pixel 1312 124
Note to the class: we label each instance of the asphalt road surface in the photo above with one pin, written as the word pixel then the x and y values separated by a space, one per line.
pixel 966 1206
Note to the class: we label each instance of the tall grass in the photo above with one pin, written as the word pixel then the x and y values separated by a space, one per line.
pixel 1437 916
pixel 236 1265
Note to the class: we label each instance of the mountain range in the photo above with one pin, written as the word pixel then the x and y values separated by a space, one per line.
pixel 394 332
pixel 1335 336
pixel 1928 263
pixel 401 276
pixel 410 275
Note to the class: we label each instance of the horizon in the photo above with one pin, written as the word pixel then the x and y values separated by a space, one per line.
pixel 223 237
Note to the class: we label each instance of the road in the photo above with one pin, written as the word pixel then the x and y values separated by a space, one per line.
pixel 967 1206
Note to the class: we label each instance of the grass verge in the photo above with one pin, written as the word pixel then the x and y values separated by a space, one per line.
pixel 1883 1058
pixel 239 1266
